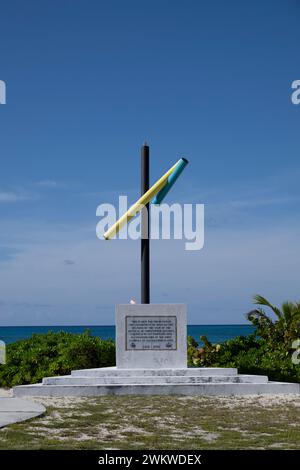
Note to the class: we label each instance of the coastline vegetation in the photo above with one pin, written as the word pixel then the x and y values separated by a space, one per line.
pixel 268 351
pixel 51 354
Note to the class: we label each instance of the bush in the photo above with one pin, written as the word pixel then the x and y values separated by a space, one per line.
pixel 44 355
pixel 250 354
pixel 268 351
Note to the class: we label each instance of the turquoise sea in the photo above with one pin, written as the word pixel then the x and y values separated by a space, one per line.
pixel 214 333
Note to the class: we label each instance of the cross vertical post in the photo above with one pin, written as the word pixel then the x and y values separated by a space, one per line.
pixel 145 228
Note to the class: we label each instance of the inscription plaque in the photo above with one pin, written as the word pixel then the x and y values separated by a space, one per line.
pixel 151 332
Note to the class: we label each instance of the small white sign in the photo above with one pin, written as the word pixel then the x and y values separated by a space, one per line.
pixel 2 92
pixel 2 352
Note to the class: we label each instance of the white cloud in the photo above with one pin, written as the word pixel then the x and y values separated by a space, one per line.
pixel 11 196
pixel 47 184
pixel 28 192
pixel 217 283
pixel 256 202
pixel 250 248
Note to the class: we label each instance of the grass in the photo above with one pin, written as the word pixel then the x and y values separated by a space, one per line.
pixel 160 423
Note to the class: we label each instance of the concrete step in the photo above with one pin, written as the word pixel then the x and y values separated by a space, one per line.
pixel 154 379
pixel 188 371
pixel 221 389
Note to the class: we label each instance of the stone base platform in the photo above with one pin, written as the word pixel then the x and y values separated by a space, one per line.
pixel 184 381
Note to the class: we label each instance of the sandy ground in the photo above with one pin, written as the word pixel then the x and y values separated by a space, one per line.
pixel 250 421
pixel 265 401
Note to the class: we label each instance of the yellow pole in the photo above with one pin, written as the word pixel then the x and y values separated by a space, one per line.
pixel 138 205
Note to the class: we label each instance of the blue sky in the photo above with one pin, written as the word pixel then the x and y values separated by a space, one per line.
pixel 87 83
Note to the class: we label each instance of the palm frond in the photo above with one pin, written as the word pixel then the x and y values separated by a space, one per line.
pixel 260 300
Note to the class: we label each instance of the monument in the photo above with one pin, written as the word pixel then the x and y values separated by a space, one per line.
pixel 151 339
pixel 149 335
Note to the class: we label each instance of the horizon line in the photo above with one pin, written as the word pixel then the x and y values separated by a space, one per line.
pixel 87 325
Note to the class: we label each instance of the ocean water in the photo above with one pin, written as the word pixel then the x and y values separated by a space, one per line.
pixel 214 333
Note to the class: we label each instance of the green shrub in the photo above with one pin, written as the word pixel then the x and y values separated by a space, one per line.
pixel 268 351
pixel 44 355
pixel 250 354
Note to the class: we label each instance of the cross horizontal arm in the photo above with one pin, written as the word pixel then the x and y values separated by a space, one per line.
pixel 139 204
pixel 180 166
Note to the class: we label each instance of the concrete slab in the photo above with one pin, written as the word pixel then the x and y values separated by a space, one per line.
pixel 221 389
pixel 115 372
pixel 153 379
pixel 15 410
pixel 184 381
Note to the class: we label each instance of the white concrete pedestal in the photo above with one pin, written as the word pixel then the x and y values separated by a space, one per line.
pixel 151 336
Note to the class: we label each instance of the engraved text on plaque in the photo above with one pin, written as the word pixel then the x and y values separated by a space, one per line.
pixel 151 332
